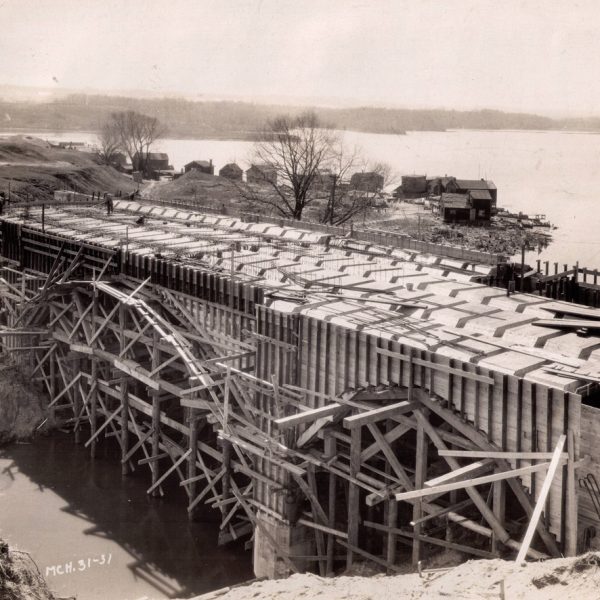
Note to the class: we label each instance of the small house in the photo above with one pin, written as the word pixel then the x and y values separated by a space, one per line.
pixel 367 182
pixel 436 186
pixel 153 161
pixel 481 202
pixel 261 174
pixel 455 208
pixel 466 185
pixel 231 171
pixel 204 166
pixel 324 180
pixel 414 184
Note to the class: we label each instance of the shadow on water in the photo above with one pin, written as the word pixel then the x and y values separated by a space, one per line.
pixel 166 555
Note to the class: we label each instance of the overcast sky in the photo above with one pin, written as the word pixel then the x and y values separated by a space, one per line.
pixel 529 55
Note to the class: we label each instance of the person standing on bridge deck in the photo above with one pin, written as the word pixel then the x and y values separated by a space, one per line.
pixel 109 204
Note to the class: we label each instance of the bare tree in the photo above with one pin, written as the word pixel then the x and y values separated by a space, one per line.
pixel 109 142
pixel 355 186
pixel 136 133
pixel 287 159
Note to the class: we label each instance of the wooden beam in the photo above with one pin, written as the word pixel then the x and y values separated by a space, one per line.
pixel 541 501
pixel 378 414
pixel 459 474
pixel 500 455
pixel 309 415
pixel 459 485
pixel 480 440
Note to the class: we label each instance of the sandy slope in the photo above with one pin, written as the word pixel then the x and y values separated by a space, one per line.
pixel 558 579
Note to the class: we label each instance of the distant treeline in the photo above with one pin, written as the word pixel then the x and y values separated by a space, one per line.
pixel 244 120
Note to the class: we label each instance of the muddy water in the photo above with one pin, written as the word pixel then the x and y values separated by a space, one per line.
pixel 98 536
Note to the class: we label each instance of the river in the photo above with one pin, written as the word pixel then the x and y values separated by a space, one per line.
pixel 537 172
pixel 99 536
pixel 65 508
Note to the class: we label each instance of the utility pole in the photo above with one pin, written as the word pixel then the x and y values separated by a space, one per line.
pixel 232 275
pixel 521 278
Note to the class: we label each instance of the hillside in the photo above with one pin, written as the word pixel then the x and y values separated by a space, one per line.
pixel 33 168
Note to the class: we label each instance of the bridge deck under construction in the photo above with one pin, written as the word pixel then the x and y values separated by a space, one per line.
pixel 336 400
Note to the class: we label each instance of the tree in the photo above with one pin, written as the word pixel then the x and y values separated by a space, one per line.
pixel 288 156
pixel 109 141
pixel 136 133
pixel 346 201
pixel 296 162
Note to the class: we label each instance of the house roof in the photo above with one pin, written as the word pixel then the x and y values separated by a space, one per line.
pixel 262 168
pixel 367 174
pixel 158 156
pixel 475 184
pixel 480 194
pixel 232 166
pixel 199 163
pixel 455 201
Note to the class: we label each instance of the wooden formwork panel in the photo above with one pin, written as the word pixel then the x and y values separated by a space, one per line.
pixel 514 414
pixel 276 361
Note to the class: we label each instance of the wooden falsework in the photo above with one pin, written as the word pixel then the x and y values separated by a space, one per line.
pixel 164 369
pixel 539 507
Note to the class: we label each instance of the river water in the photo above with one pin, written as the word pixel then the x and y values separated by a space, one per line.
pixel 536 172
pixel 65 508
pixel 99 536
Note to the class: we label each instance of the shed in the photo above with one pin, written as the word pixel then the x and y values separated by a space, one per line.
pixel 204 166
pixel 231 171
pixel 456 208
pixel 261 174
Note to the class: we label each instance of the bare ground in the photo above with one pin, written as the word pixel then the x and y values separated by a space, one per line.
pixel 34 169
pixel 557 579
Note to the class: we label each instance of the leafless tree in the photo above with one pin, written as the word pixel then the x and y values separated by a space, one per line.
pixel 109 142
pixel 347 201
pixel 288 156
pixel 136 133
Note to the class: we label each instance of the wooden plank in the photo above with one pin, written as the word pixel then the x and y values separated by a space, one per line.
pixel 457 474
pixel 378 414
pixel 437 367
pixel 539 507
pixel 500 455
pixel 309 415
pixel 459 485
pixel 354 495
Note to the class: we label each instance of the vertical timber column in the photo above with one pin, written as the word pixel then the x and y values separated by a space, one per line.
pixel 124 393
pixel 94 378
pixel 392 515
pixel 420 474
pixel 192 460
pixel 78 400
pixel 155 414
pixel 498 506
pixel 52 415
pixel 330 452
pixel 354 493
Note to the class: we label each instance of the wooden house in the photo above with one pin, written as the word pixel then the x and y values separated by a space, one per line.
pixel 204 166
pixel 231 171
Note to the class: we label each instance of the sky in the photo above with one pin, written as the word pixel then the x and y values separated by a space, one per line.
pixel 520 55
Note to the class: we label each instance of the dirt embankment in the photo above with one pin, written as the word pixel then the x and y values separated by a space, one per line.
pixel 21 408
pixel 32 168
pixel 563 578
pixel 20 578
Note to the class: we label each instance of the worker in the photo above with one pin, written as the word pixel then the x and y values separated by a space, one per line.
pixel 109 204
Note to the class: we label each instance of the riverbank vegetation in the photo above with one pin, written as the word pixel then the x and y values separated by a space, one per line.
pixel 245 120
pixel 20 578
